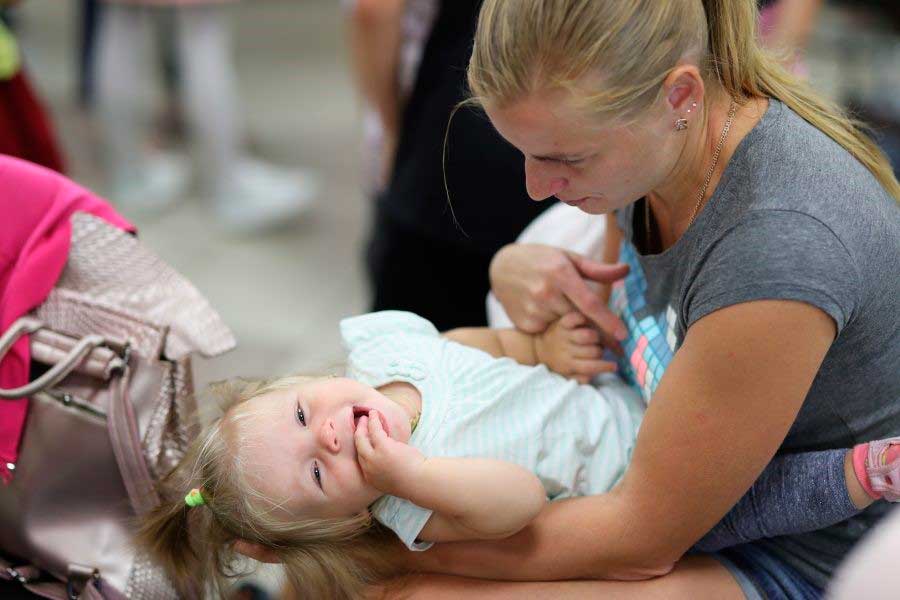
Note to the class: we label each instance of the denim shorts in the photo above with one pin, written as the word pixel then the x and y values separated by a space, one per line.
pixel 764 577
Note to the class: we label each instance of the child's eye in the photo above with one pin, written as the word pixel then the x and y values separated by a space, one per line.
pixel 300 416
pixel 317 474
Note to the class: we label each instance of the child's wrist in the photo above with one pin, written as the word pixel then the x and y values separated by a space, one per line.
pixel 537 348
pixel 407 478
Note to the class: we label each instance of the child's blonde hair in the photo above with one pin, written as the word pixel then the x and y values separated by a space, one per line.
pixel 525 46
pixel 323 558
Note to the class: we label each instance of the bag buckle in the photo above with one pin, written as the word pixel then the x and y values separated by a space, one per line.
pixel 80 576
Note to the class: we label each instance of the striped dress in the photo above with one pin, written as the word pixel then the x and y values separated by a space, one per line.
pixel 576 438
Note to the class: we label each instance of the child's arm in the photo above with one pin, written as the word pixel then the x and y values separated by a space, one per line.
pixel 569 346
pixel 472 498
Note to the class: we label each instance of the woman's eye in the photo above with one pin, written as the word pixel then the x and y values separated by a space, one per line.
pixel 317 474
pixel 301 417
pixel 572 162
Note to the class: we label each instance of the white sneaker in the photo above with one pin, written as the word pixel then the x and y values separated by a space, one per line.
pixel 159 183
pixel 266 196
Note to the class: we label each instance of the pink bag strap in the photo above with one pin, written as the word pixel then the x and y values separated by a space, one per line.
pixel 126 444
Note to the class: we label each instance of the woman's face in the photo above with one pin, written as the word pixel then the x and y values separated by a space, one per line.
pixel 596 167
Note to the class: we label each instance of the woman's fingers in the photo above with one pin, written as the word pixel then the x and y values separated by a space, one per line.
pixel 593 307
pixel 598 271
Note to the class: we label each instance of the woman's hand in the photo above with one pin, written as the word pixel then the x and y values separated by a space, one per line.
pixel 571 347
pixel 538 284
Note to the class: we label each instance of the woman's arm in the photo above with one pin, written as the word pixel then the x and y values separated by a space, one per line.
pixel 722 409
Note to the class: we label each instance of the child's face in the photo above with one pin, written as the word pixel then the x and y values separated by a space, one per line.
pixel 299 445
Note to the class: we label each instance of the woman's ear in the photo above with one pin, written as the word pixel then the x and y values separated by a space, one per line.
pixel 255 551
pixel 683 86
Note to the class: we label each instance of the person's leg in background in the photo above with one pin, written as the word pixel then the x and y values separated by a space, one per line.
pixel 138 180
pixel 246 194
pixel 88 21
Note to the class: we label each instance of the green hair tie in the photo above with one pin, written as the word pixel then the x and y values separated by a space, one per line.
pixel 194 498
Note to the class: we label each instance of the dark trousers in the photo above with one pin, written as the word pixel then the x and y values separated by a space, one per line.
pixel 442 281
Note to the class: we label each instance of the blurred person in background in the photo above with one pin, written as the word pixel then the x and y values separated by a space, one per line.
pixel 431 245
pixel 25 129
pixel 870 571
pixel 246 195
pixel 785 26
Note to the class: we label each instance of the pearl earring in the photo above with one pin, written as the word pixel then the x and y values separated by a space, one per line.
pixel 682 124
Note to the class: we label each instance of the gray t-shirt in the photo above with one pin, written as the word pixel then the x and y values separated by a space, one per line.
pixel 794 217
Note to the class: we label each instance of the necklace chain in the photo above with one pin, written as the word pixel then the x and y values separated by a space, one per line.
pixel 732 110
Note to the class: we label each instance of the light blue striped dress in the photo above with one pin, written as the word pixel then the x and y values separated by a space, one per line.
pixel 576 438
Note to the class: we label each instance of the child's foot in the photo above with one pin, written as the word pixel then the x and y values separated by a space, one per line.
pixel 877 466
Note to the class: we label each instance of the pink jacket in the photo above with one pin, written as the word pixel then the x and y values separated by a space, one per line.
pixel 35 206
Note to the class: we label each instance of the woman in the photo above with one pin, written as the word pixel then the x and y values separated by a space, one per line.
pixel 760 312
pixel 762 232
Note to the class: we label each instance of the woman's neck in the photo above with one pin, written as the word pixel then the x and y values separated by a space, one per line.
pixel 673 204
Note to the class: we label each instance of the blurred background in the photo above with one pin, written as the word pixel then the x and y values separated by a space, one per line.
pixel 259 173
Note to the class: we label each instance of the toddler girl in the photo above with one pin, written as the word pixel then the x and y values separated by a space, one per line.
pixel 433 438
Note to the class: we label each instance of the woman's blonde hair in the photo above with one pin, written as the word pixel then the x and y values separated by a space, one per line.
pixel 323 558
pixel 522 46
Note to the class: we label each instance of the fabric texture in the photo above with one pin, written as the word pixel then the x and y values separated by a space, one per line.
pixel 762 576
pixel 35 231
pixel 794 217
pixel 796 493
pixel 577 439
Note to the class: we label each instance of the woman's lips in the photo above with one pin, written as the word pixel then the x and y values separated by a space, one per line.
pixel 575 202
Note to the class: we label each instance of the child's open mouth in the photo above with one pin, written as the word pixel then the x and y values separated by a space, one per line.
pixel 363 411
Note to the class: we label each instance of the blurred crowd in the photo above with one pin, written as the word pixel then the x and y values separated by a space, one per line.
pixel 444 194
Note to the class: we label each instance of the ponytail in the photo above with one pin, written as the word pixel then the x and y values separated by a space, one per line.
pixel 746 70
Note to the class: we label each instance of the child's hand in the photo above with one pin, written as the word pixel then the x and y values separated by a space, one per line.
pixel 386 463
pixel 571 347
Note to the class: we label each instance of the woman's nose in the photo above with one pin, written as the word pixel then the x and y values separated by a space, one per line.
pixel 540 182
pixel 328 437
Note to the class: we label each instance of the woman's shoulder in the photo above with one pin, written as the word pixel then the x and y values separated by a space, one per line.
pixel 786 162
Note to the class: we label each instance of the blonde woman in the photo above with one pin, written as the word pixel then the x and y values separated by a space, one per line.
pixel 759 316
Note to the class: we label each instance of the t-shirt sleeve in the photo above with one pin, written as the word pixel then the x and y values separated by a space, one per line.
pixel 776 255
pixel 403 518
pixel 356 331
